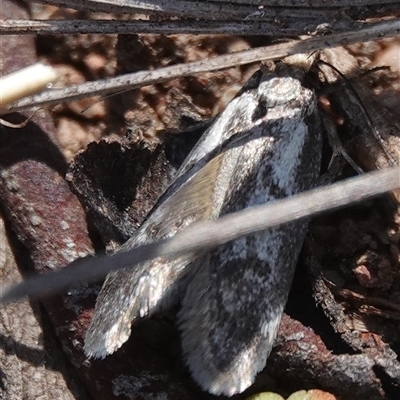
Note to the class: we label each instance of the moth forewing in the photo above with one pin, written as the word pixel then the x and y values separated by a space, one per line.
pixel 129 294
pixel 264 146
pixel 232 308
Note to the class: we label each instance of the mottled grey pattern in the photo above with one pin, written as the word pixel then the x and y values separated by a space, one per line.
pixel 264 146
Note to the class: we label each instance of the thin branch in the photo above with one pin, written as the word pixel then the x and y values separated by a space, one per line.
pixel 204 235
pixel 29 27
pixel 183 8
pixel 143 78
pixel 211 10
pixel 310 3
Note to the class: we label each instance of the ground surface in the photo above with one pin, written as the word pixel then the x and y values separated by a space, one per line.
pixel 347 331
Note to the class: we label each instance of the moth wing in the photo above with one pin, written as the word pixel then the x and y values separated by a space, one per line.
pixel 233 305
pixel 133 293
pixel 232 308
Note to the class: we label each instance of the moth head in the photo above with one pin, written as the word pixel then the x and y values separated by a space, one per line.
pixel 279 91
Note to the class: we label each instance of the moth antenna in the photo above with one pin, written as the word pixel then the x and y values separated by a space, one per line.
pixel 374 131
pixel 105 97
pixel 335 142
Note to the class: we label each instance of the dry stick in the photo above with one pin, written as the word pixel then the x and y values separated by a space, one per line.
pixel 183 8
pixel 206 234
pixel 310 3
pixel 279 18
pixel 273 21
pixel 208 9
pixel 294 27
pixel 352 297
pixel 143 78
pixel 212 12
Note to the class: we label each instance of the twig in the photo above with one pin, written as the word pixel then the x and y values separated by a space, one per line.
pixel 183 8
pixel 213 10
pixel 143 78
pixel 292 27
pixel 203 235
pixel 309 3
pixel 352 296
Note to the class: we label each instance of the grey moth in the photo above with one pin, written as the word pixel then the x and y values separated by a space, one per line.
pixel 266 145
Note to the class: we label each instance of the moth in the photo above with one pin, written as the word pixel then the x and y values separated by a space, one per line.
pixel 265 145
